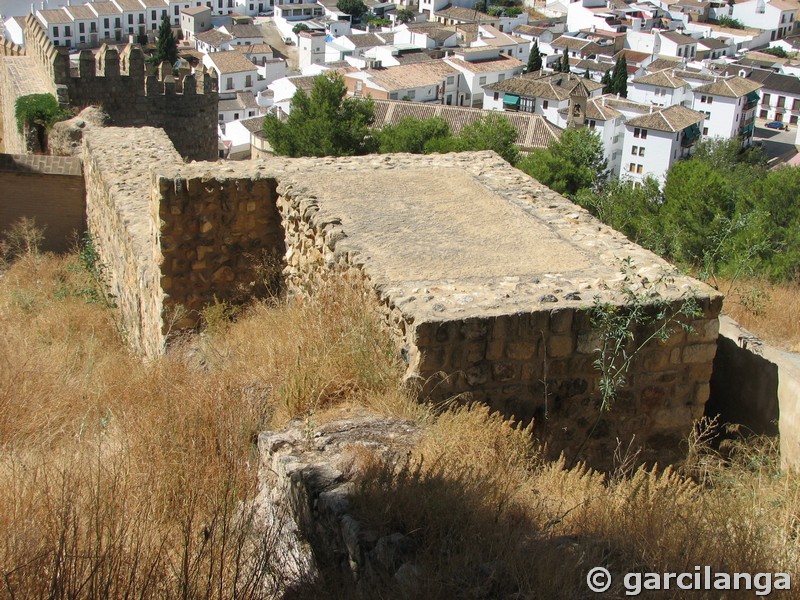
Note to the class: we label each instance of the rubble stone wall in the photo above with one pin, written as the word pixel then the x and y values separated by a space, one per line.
pixel 122 213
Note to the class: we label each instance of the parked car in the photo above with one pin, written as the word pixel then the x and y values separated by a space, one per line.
pixel 777 125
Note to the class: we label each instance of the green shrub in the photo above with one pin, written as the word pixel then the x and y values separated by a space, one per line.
pixel 38 109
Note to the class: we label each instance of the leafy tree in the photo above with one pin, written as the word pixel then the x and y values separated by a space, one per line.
pixel 606 81
pixel 776 51
pixel 354 8
pixel 513 11
pixel 414 135
pixel 300 27
pixel 166 44
pixel 324 123
pixel 572 163
pixel 480 6
pixel 535 59
pixel 730 23
pixel 490 132
pixel 404 15
pixel 494 11
pixel 619 78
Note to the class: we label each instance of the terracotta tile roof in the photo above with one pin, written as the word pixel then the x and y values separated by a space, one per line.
pixel 734 87
pixel 600 110
pixel 571 43
pixel 663 79
pixel 129 5
pixel 245 31
pixel 693 75
pixel 155 3
pixel 365 40
pixel 533 131
pixel 213 37
pixel 436 32
pixel 254 49
pixel 499 38
pixel 81 13
pixel 501 63
pixel 678 38
pixel 662 63
pixel 404 77
pixel 713 43
pixel 631 56
pixel 231 61
pixel 195 10
pixel 104 8
pixel 530 30
pixel 553 87
pixel 671 119
pixel 243 100
pixel 467 15
pixel 56 16
pixel 254 125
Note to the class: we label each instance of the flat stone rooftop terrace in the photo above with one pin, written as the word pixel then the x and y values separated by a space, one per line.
pixel 457 235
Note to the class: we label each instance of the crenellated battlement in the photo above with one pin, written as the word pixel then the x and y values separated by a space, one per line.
pixel 9 48
pixel 132 92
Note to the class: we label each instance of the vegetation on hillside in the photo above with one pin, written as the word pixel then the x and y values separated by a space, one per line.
pixel 124 478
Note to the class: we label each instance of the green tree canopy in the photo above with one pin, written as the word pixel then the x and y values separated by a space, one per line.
pixel 354 8
pixel 606 81
pixel 490 132
pixel 323 123
pixel 166 44
pixel 414 135
pixel 535 59
pixel 619 77
pixel 300 27
pixel 572 163
pixel 404 15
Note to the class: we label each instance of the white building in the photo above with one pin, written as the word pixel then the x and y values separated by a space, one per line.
pixel 234 72
pixel 774 16
pixel 15 30
pixel 729 105
pixel 58 25
pixel 241 106
pixel 194 20
pixel 654 141
pixel 661 88
pixel 311 48
pixel 431 81
pixel 480 67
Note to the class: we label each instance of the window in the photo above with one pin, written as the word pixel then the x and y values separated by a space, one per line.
pixel 635 150
pixel 592 124
pixel 497 95
pixel 130 19
pixel 248 81
pixel 106 23
pixel 67 30
pixel 81 28
pixel 450 80
pixel 177 10
pixel 55 31
pixel 640 133
pixel 501 77
pixel 765 99
pixel 641 150
pixel 527 104
pixel 83 39
pixel 796 105
pixel 229 83
pixel 118 22
pixel 705 130
pixel 221 117
pixel 153 15
pixel 545 104
pixel 781 101
pixel 92 27
pixel 763 114
pixel 482 80
pixel 639 168
pixel 632 168
pixel 411 94
pixel 235 116
pixel 141 18
pixel 393 96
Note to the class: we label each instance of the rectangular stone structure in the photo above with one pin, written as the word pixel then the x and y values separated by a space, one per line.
pixel 484 276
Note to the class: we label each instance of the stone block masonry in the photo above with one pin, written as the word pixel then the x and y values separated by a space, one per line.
pixel 48 189
pixel 484 276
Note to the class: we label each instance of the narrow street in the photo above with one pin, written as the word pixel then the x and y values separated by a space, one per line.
pixel 273 37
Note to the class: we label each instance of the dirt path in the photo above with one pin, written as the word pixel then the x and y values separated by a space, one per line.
pixel 273 37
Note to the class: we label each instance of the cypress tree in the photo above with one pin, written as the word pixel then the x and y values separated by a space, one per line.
pixel 619 79
pixel 166 45
pixel 606 81
pixel 535 59
pixel 586 75
pixel 565 61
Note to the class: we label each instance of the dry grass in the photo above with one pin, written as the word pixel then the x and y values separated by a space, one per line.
pixel 770 310
pixel 125 479
pixel 119 478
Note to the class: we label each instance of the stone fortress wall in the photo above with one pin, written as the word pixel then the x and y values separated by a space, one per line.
pixel 485 279
pixel 132 93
